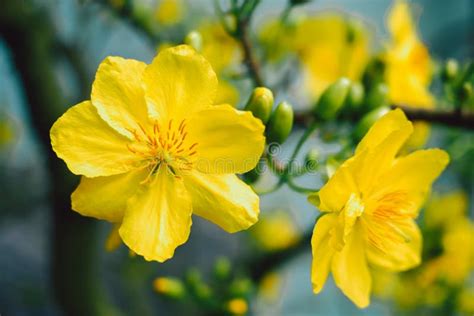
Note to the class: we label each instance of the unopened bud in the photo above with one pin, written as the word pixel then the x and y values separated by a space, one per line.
pixel 355 97
pixel 222 269
pixel 241 287
pixel 260 103
pixel 194 39
pixel 368 120
pixel 312 160
pixel 466 91
pixel 280 123
pixel 169 287
pixel 374 72
pixel 332 99
pixel 450 70
pixel 377 97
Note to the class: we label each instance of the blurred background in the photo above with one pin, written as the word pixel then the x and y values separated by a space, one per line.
pixel 54 262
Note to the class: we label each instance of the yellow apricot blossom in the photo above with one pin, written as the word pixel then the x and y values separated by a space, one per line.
pixel 369 207
pixel 169 12
pixel 153 150
pixel 408 68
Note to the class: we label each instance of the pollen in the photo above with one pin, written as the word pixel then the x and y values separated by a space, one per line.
pixel 164 144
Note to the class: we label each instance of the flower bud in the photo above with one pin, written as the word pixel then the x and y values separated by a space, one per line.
pixel 355 97
pixel 450 70
pixel 368 120
pixel 222 268
pixel 465 93
pixel 377 97
pixel 241 287
pixel 332 99
pixel 260 103
pixel 374 72
pixel 312 160
pixel 237 306
pixel 169 287
pixel 280 123
pixel 194 39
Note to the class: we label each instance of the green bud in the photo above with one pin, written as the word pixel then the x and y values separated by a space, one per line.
pixel 170 287
pixel 280 123
pixel 332 99
pixel 374 72
pixel 241 287
pixel 354 30
pixel 202 291
pixel 377 97
pixel 193 277
pixel 312 160
pixel 465 93
pixel 450 70
pixel 368 120
pixel 194 39
pixel 355 96
pixel 260 103
pixel 222 268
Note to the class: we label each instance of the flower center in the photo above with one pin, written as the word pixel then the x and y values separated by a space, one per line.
pixel 164 144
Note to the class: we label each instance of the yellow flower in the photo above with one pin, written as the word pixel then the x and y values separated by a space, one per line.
pixel 408 68
pixel 445 210
pixel 153 149
pixel 275 231
pixel 370 204
pixel 169 12
pixel 237 306
pixel 330 47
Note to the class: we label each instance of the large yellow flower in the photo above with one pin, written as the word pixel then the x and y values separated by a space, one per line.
pixel 153 149
pixel 370 203
pixel 409 68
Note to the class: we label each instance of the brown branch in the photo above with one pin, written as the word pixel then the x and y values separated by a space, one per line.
pixel 249 59
pixel 449 118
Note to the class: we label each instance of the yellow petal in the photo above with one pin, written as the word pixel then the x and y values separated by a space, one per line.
pixel 400 253
pixel 224 200
pixel 179 82
pixel 88 145
pixel 335 193
pixel 118 95
pixel 350 269
pixel 113 240
pixel 158 217
pixel 414 175
pixel 322 251
pixel 229 141
pixel 399 22
pixel 106 197
pixel 392 121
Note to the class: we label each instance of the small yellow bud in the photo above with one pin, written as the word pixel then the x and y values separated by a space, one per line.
pixel 169 287
pixel 260 103
pixel 332 99
pixel 368 120
pixel 194 39
pixel 237 306
pixel 377 97
pixel 280 123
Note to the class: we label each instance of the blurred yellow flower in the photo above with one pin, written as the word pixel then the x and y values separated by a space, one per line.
pixel 269 287
pixel 153 149
pixel 408 68
pixel 370 204
pixel 237 306
pixel 6 131
pixel 275 231
pixel 329 46
pixel 445 210
pixel 169 12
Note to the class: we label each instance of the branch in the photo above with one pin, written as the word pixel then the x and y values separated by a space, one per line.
pixel 450 118
pixel 249 59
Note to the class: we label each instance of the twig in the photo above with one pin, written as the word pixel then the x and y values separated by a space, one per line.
pixel 249 59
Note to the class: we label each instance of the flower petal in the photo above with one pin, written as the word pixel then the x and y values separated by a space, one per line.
pixel 395 254
pixel 158 217
pixel 229 141
pixel 106 197
pixel 179 82
pixel 118 95
pixel 88 145
pixel 414 175
pixel 350 270
pixel 322 251
pixel 392 121
pixel 224 200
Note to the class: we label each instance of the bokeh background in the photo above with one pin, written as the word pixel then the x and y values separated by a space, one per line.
pixel 82 34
